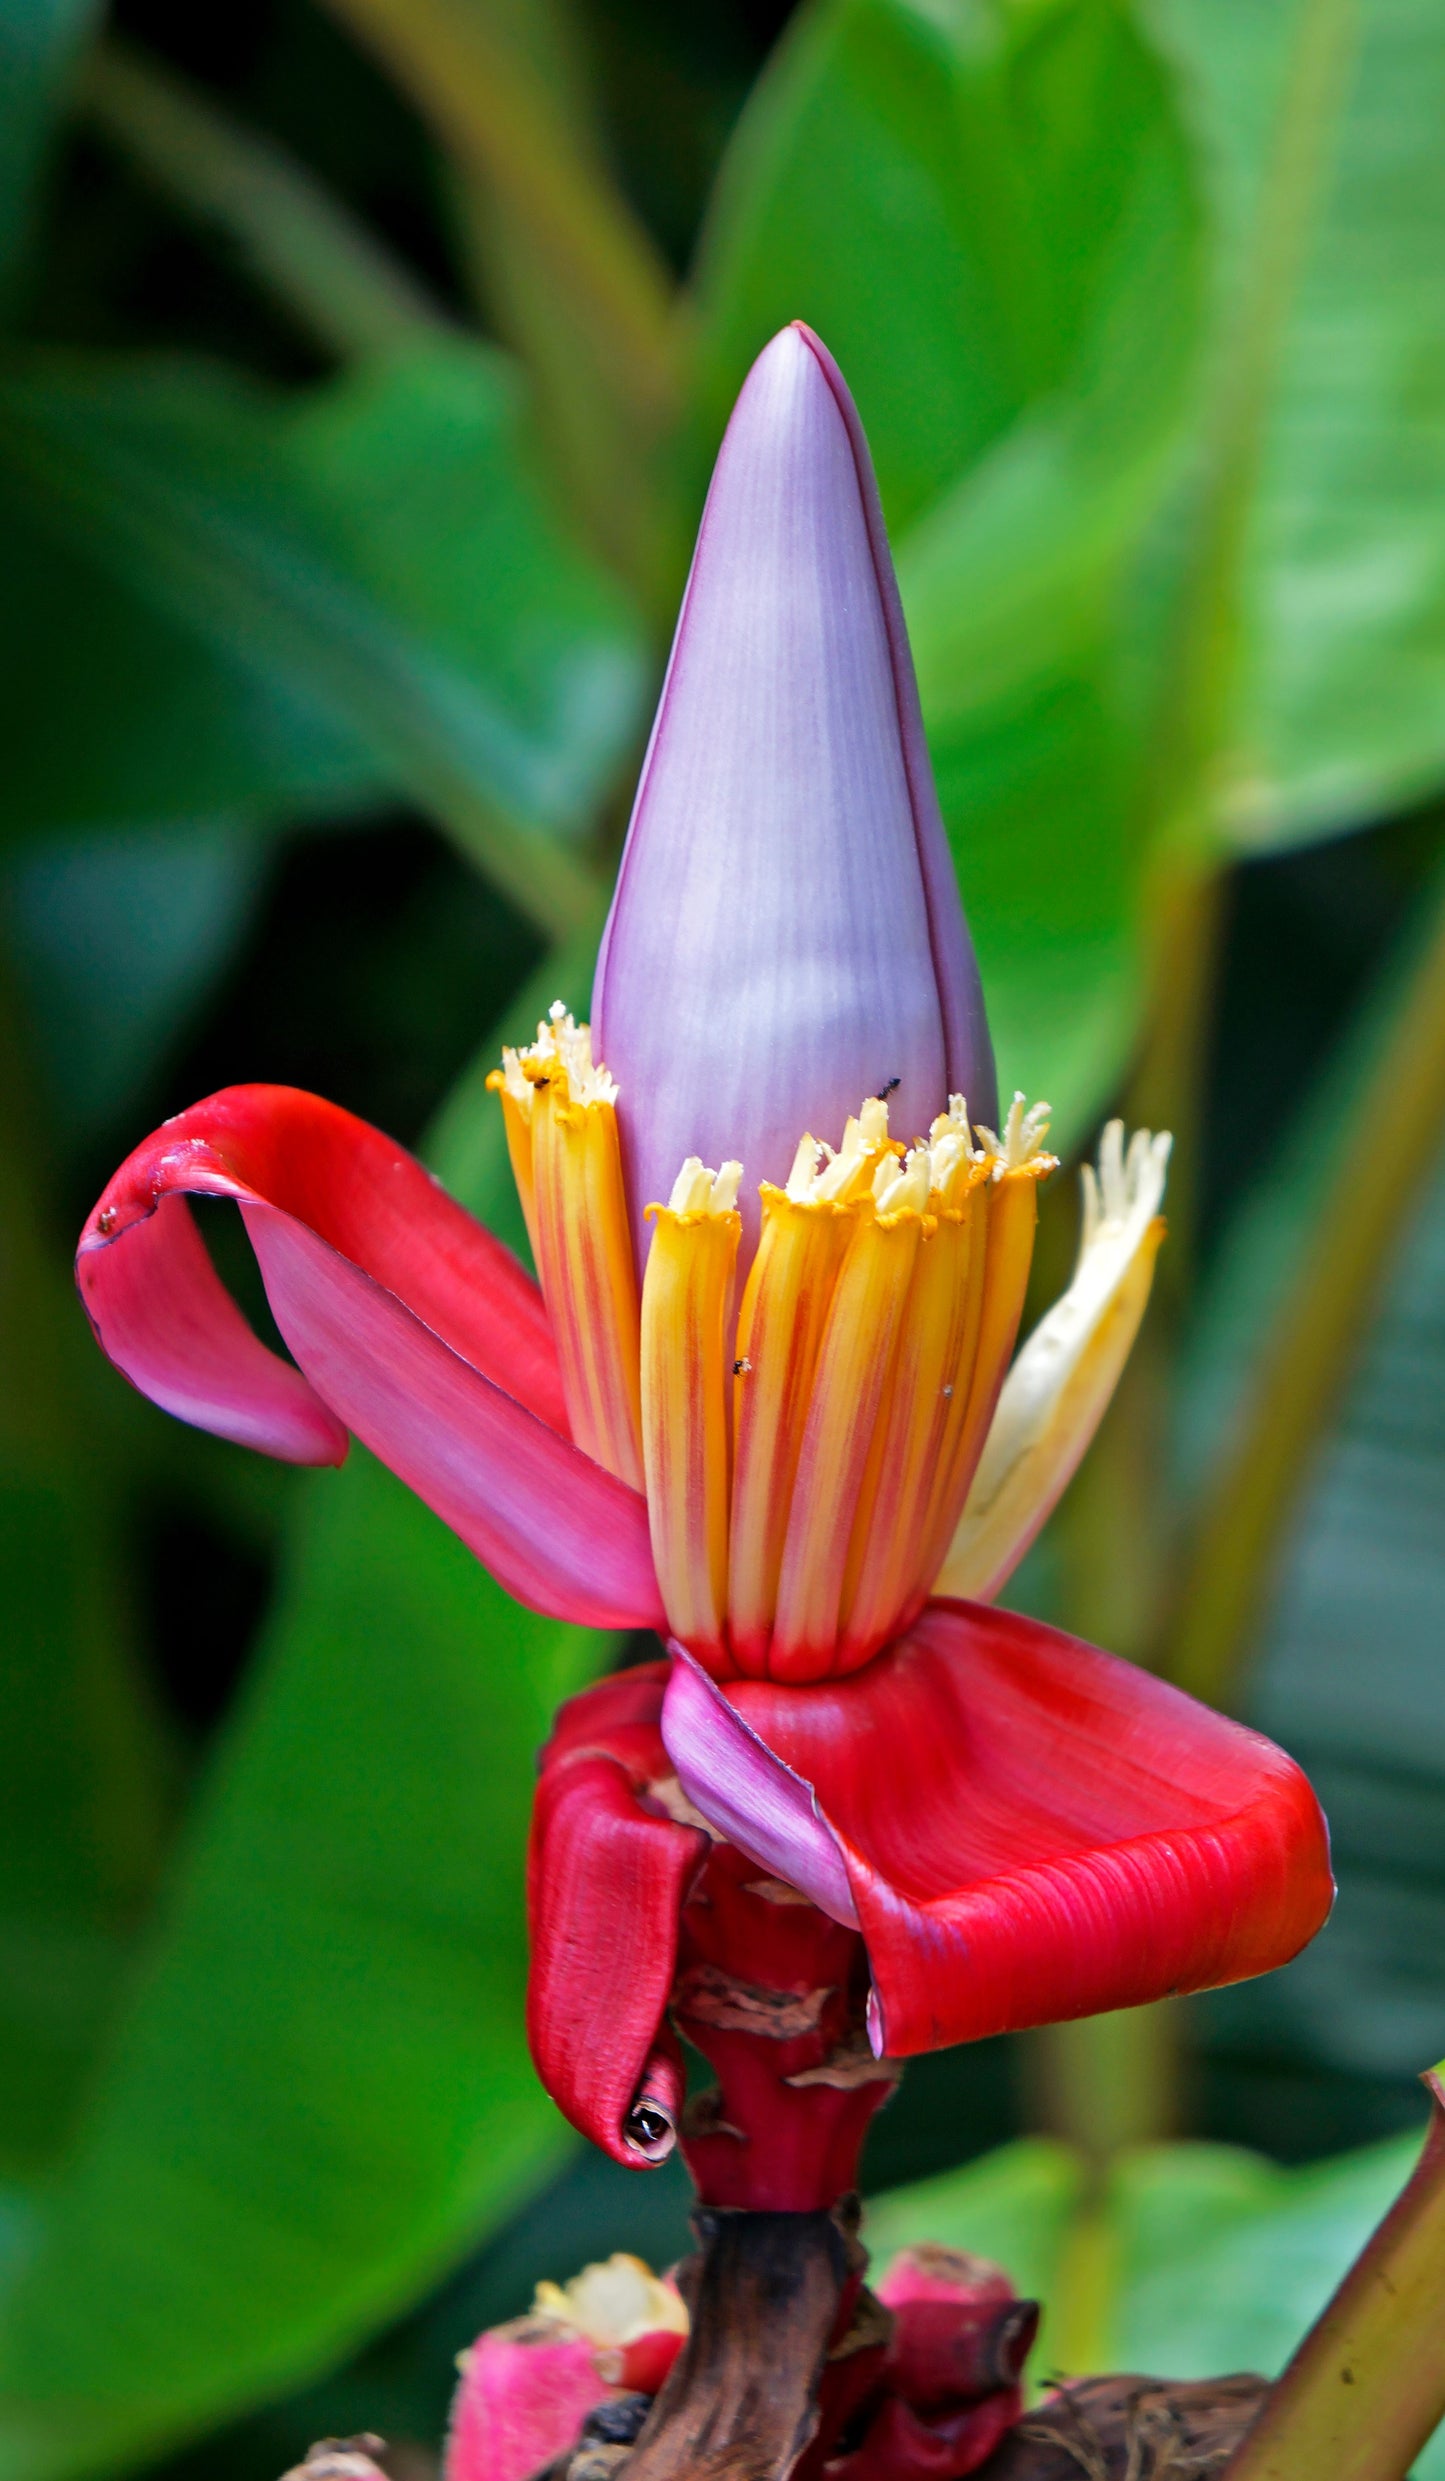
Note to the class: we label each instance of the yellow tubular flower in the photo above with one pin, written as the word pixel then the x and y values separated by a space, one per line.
pixel 807 1228
pixel 515 1094
pixel 931 1372
pixel 583 1241
pixel 613 2303
pixel 854 1366
pixel 1061 1383
pixel 821 1460
pixel 687 1299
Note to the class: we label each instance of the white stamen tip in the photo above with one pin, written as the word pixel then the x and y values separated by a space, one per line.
pixel 1124 1195
pixel 1022 1141
pixel 697 1191
pixel 727 1180
pixel 562 1041
pixel 902 1188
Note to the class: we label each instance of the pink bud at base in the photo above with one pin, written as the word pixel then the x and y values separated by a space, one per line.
pixel 959 2330
pixel 527 2387
pixel 904 2445
pixel 526 2390
pixel 950 2381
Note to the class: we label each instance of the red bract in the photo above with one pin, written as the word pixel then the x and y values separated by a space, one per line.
pixel 1030 1830
pixel 638 1916
pixel 410 1324
pixel 607 1873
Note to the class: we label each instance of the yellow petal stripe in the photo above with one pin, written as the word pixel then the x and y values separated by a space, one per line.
pixel 784 1313
pixel 687 1300
pixel 932 1367
pixel 855 1367
pixel 583 1243
pixel 807 1231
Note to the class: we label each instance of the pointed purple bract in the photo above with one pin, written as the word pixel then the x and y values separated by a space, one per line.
pixel 734 1781
pixel 786 935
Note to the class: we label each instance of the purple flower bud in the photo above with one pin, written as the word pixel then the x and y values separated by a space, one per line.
pixel 786 936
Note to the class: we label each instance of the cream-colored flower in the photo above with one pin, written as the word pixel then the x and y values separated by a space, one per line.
pixel 1056 1392
pixel 613 2304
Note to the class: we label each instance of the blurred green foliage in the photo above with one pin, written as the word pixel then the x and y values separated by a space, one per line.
pixel 362 373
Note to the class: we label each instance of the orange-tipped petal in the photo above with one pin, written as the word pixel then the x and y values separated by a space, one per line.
pixel 687 1386
pixel 567 1160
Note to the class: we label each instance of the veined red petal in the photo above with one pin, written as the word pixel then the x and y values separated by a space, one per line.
pixel 1034 1830
pixel 608 1870
pixel 412 1326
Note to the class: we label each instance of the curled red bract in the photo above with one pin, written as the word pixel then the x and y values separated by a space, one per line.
pixel 606 1876
pixel 410 1325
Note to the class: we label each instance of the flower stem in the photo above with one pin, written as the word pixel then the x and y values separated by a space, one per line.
pixel 496 119
pixel 1112 2081
pixel 1367 2385
pixel 1233 1541
pixel 294 238
pixel 765 2296
pixel 1107 2081
pixel 1192 722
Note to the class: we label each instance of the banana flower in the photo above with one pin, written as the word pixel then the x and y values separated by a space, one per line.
pixel 760 1400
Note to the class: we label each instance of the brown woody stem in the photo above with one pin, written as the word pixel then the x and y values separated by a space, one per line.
pixel 766 2295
